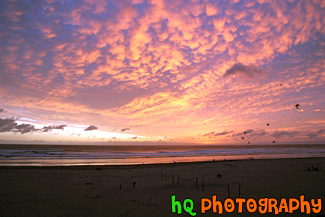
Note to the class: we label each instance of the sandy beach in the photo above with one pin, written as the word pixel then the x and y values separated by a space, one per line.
pixel 145 190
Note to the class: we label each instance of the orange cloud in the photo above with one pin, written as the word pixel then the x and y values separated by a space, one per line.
pixel 162 59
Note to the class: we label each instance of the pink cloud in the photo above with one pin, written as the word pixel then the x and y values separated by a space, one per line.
pixel 171 55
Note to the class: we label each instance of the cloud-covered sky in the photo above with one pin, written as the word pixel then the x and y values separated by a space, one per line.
pixel 162 70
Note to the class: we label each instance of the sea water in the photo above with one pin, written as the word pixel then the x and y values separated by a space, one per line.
pixel 73 155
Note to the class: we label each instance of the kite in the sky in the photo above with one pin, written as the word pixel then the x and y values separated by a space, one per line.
pixel 297 106
pixel 267 124
pixel 273 141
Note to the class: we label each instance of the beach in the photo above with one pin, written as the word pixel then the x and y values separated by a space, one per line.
pixel 146 190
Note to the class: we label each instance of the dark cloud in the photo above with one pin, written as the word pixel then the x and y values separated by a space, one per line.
pixel 279 134
pixel 316 134
pixel 137 125
pixel 321 131
pixel 24 128
pixel 312 135
pixel 125 129
pixel 91 127
pixel 243 133
pixel 213 134
pixel 7 124
pixel 3 110
pixel 10 125
pixel 53 127
pixel 251 133
pixel 258 132
pixel 210 135
pixel 250 70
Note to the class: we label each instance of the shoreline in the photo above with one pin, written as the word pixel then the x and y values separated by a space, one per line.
pixel 113 156
pixel 153 165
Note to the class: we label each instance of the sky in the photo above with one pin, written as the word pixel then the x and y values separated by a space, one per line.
pixel 162 72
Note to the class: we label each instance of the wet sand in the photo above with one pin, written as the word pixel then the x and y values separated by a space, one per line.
pixel 145 190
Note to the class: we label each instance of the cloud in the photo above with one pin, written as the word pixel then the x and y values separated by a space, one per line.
pixel 281 133
pixel 246 132
pixel 53 127
pixel 161 62
pixel 10 125
pixel 250 70
pixel 91 127
pixel 213 134
pixel 321 131
pixel 25 128
pixel 251 133
pixel 3 110
pixel 258 132
pixel 125 129
pixel 7 124
pixel 316 134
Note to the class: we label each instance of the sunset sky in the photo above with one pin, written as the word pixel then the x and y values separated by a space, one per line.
pixel 106 72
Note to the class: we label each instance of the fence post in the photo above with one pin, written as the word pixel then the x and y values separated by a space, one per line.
pixel 202 184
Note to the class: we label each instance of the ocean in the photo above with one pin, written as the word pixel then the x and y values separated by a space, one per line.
pixel 77 155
